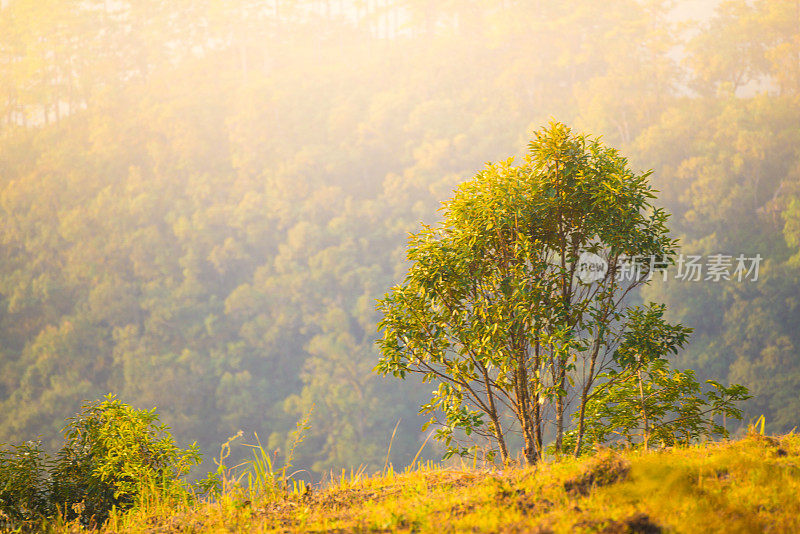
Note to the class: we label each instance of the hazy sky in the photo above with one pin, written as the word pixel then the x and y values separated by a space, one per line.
pixel 695 9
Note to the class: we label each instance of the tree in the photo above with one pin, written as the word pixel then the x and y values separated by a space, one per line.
pixel 657 407
pixel 492 306
pixel 730 50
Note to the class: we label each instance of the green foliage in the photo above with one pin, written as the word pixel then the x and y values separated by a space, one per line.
pixel 649 337
pixel 24 491
pixel 642 403
pixel 266 479
pixel 111 455
pixel 259 477
pixel 492 309
pixel 653 406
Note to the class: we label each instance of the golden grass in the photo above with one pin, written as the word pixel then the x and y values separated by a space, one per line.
pixel 750 485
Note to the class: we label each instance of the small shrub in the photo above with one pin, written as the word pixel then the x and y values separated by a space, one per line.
pixel 652 406
pixel 23 495
pixel 111 453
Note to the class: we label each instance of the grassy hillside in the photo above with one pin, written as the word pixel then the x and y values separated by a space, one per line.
pixel 750 485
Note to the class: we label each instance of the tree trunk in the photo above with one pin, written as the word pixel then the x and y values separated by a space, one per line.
pixel 501 442
pixel 525 413
pixel 560 405
pixel 498 432
pixel 579 441
pixel 525 406
pixel 585 393
pixel 646 436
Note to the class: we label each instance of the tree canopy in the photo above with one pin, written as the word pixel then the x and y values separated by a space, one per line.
pixel 495 311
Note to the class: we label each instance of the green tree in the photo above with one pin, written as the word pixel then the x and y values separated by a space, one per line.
pixel 493 308
pixel 648 405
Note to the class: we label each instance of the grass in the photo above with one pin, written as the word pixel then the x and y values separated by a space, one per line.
pixel 749 485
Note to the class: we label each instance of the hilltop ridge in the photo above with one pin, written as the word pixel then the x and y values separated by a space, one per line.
pixel 747 485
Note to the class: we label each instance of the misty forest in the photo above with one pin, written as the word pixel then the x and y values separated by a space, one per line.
pixel 201 201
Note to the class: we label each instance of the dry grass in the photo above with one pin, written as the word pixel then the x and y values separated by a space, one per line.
pixel 750 485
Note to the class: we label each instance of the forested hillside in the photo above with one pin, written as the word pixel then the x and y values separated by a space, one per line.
pixel 201 200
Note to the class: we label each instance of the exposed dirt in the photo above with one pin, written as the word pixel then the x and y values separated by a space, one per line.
pixel 636 524
pixel 606 470
pixel 530 505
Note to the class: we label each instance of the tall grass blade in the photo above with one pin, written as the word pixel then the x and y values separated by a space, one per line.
pixel 386 463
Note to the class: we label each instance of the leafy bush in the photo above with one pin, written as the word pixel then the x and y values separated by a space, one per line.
pixel 23 485
pixel 654 406
pixel 112 452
